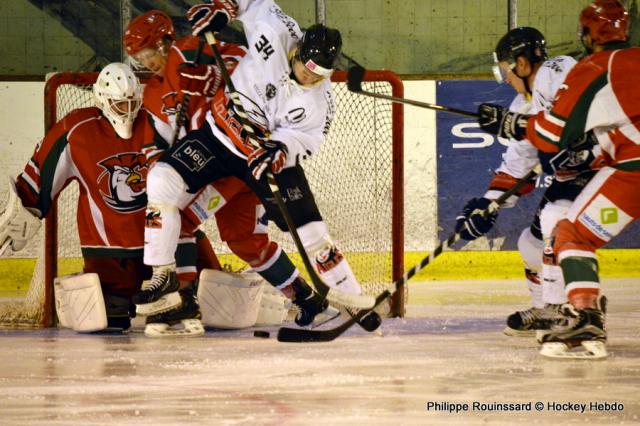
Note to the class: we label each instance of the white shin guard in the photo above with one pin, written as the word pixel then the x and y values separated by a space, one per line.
pixel 80 303
pixel 167 194
pixel 327 258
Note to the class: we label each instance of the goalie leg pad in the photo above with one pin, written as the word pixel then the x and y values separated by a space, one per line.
pixel 229 300
pixel 274 306
pixel 82 302
pixel 18 224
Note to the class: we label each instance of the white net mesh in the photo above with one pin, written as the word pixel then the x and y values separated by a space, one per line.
pixel 351 179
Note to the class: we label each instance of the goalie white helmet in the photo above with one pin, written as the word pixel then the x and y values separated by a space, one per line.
pixel 119 95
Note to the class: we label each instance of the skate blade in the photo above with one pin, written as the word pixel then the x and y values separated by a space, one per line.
pixel 164 304
pixel 589 349
pixel 512 332
pixel 189 328
pixel 324 317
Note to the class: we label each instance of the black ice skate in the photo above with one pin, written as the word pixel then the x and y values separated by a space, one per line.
pixel 525 323
pixel 583 329
pixel 163 281
pixel 185 318
pixel 309 302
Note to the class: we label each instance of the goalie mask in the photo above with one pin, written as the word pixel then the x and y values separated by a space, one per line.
pixel 319 50
pixel 119 95
pixel 522 41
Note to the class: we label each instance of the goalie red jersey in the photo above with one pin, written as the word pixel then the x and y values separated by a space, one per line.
pixel 111 173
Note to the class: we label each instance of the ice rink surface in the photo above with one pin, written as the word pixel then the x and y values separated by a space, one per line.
pixel 448 350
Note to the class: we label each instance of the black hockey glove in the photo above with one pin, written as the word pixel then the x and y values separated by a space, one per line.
pixel 499 121
pixel 575 160
pixel 270 153
pixel 211 17
pixel 471 223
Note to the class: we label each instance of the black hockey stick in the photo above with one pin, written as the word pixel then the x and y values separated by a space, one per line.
pixel 355 76
pixel 298 335
pixel 354 300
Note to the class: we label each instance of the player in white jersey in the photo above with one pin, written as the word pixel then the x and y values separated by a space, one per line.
pixel 285 88
pixel 521 60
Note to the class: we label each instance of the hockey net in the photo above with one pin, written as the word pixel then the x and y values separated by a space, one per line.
pixel 357 180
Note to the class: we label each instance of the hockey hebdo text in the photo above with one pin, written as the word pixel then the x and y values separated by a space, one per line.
pixel 476 406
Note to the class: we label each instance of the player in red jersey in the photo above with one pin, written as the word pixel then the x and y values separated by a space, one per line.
pixel 99 147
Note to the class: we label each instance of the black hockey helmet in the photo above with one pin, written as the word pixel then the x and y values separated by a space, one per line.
pixel 521 41
pixel 319 49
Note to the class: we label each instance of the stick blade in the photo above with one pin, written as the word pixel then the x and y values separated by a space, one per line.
pixel 355 75
pixel 303 335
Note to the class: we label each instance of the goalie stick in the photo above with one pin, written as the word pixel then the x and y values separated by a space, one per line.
pixel 355 75
pixel 333 295
pixel 298 335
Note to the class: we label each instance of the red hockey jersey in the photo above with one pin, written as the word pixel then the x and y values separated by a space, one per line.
pixel 601 94
pixel 111 173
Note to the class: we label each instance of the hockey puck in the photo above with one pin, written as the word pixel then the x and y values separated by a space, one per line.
pixel 261 334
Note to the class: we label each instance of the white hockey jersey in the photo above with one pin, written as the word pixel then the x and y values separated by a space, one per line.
pixel 278 107
pixel 521 156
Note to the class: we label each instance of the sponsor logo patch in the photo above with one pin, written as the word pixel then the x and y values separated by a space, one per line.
pixel 603 218
pixel 152 219
pixel 193 155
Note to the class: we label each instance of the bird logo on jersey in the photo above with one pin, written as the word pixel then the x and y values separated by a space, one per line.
pixel 122 183
pixel 170 104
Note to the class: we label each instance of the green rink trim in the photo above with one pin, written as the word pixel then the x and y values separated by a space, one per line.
pixel 15 274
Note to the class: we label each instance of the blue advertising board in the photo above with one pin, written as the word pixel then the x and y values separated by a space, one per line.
pixel 467 157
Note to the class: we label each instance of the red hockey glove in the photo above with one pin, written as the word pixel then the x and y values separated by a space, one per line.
pixel 199 80
pixel 499 121
pixel 211 17
pixel 269 153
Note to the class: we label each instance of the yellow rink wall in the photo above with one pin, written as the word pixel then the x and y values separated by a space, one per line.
pixel 461 265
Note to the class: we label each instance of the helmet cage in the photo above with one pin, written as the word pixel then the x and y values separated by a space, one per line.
pixel 119 95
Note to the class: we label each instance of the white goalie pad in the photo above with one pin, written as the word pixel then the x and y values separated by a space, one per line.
pixel 229 300
pixel 18 224
pixel 80 303
pixel 274 306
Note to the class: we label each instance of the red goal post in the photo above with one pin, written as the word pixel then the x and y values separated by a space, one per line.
pixel 357 179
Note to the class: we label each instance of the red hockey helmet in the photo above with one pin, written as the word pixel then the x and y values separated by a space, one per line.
pixel 145 30
pixel 605 21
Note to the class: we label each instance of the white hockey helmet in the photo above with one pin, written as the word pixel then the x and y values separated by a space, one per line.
pixel 119 95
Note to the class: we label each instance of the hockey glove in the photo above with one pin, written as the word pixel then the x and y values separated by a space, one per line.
pixel 499 121
pixel 271 154
pixel 471 223
pixel 211 17
pixel 199 80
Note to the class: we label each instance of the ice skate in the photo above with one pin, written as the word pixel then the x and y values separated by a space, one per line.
pixel 582 334
pixel 525 323
pixel 163 281
pixel 181 321
pixel 310 304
